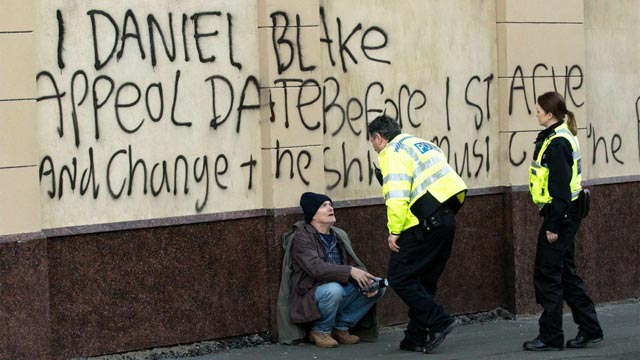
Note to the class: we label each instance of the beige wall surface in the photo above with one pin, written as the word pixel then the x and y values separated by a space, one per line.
pixel 540 11
pixel 612 33
pixel 116 97
pixel 19 189
pixel 167 86
pixel 539 50
pixel 431 64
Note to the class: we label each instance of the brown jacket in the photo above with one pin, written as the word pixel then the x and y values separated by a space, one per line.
pixel 310 270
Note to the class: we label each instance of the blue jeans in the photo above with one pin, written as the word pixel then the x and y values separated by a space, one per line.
pixel 341 307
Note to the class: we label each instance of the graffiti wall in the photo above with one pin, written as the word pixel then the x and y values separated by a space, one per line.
pixel 155 109
pixel 613 99
pixel 415 63
pixel 147 109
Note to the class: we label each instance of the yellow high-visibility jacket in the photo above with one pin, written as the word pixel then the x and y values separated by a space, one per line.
pixel 539 175
pixel 412 167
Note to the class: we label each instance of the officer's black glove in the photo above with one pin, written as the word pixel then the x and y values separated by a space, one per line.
pixel 378 173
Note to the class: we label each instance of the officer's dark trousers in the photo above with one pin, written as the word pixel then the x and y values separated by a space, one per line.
pixel 555 279
pixel 415 270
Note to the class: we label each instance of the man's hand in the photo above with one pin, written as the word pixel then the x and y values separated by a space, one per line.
pixel 371 294
pixel 362 277
pixel 392 239
pixel 551 237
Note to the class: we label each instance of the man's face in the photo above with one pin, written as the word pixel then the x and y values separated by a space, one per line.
pixel 377 142
pixel 325 214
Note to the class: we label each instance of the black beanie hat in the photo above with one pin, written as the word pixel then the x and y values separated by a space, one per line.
pixel 310 203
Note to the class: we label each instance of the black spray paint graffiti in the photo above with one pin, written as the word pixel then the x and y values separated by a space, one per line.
pixel 130 31
pixel 571 74
pixel 279 41
pixel 343 173
pixel 346 112
pixel 157 178
pixel 478 120
pixel 480 153
pixel 368 37
pixel 616 145
pixel 287 50
pixel 294 162
pixel 512 160
pixel 130 20
pixel 354 115
pixel 598 143
pixel 90 97
pixel 525 90
pixel 154 93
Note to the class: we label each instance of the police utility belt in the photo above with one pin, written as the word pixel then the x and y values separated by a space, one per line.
pixel 581 204
pixel 435 219
pixel 584 201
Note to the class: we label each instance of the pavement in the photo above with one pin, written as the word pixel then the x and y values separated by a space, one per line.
pixel 496 339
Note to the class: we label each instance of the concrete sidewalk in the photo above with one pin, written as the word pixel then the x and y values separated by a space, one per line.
pixel 500 339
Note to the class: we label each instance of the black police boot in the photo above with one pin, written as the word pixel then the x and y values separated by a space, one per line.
pixel 416 342
pixel 437 336
pixel 582 340
pixel 538 345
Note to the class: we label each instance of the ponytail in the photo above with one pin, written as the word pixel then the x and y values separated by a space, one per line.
pixel 571 122
pixel 552 102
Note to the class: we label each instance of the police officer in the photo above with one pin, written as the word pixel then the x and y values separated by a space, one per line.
pixel 554 183
pixel 422 194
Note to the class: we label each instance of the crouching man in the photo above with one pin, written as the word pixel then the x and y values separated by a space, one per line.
pixel 327 278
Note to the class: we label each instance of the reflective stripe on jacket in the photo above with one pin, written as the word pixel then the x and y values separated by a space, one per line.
pixel 539 174
pixel 412 167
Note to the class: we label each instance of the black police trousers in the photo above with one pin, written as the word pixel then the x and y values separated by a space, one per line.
pixel 414 272
pixel 555 280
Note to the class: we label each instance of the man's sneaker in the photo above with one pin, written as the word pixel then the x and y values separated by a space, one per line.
pixel 344 337
pixel 322 340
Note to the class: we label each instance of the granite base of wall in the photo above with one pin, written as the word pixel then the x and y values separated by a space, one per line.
pixel 24 300
pixel 118 291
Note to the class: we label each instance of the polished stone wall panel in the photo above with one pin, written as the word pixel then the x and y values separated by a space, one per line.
pixel 474 279
pixel 526 223
pixel 24 300
pixel 119 291
pixel 611 229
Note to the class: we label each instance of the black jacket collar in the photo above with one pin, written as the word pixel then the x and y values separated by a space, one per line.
pixel 542 135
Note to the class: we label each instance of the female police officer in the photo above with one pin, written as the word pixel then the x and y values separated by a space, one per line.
pixel 554 183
